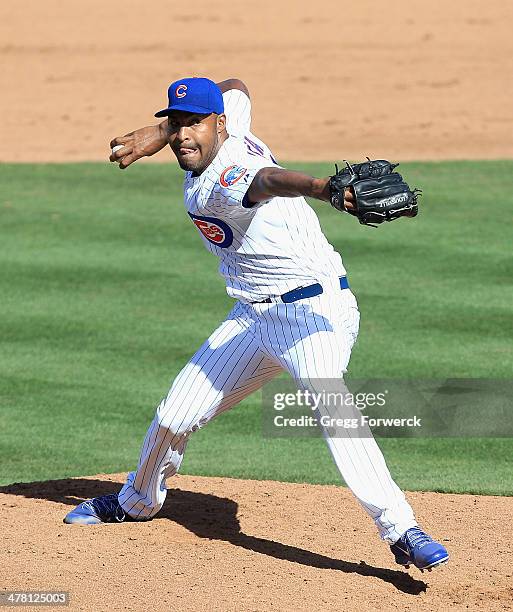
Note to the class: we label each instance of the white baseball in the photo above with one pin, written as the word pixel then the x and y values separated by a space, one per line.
pixel 117 147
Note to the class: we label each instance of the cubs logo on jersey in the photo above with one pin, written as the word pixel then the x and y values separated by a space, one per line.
pixel 214 230
pixel 232 174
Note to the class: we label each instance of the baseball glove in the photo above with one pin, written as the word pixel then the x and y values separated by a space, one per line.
pixel 381 193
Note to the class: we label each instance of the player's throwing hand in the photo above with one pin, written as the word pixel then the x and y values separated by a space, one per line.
pixel 143 142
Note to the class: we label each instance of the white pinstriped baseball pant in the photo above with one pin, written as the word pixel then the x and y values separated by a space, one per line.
pixel 311 339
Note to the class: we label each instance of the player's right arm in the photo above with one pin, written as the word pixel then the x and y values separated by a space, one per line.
pixel 143 142
pixel 149 140
pixel 230 84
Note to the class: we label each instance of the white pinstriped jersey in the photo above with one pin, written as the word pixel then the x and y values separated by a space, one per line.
pixel 266 249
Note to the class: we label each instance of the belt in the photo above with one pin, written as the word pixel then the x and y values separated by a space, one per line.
pixel 304 292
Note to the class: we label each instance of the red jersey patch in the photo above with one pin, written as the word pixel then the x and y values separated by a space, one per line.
pixel 214 230
pixel 211 231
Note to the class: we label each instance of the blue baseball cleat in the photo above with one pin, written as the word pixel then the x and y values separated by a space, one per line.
pixel 417 548
pixel 103 509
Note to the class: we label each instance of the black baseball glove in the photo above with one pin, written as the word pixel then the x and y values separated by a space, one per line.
pixel 381 193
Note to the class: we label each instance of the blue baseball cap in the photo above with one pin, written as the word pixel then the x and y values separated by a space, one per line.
pixel 196 95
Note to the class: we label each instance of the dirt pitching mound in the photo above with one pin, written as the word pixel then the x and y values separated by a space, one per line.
pixel 407 79
pixel 225 544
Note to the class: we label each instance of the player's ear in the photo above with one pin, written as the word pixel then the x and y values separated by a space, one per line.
pixel 221 123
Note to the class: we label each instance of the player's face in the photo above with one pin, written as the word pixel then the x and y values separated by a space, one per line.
pixel 195 139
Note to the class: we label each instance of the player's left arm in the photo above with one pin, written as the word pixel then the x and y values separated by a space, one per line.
pixel 278 182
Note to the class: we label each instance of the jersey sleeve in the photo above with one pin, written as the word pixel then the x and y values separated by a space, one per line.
pixel 237 108
pixel 229 194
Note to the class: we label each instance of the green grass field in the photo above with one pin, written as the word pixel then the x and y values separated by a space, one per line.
pixel 106 291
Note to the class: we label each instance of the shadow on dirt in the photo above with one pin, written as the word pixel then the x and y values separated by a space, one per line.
pixel 215 518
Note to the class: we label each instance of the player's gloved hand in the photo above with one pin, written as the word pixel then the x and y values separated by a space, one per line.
pixel 143 142
pixel 375 191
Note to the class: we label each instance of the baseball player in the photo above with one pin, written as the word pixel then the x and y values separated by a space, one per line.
pixel 294 310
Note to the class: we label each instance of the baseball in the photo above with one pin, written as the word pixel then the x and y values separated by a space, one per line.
pixel 117 147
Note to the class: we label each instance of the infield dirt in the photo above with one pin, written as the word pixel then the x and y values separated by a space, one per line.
pixel 403 80
pixel 407 79
pixel 231 545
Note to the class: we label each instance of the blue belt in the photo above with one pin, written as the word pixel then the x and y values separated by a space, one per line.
pixel 304 292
